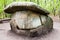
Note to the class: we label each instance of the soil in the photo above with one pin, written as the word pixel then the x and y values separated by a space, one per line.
pixel 7 34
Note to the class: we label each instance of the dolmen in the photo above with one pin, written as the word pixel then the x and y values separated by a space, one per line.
pixel 29 19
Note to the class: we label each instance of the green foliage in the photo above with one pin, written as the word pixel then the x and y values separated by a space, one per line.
pixel 51 5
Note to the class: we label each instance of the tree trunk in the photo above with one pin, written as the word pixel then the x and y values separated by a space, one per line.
pixel 30 0
pixel 4 15
pixel 45 2
pixel 14 0
pixel 37 1
pixel 25 0
pixel 54 10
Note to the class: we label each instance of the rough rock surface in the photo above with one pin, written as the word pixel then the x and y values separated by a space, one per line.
pixel 43 29
pixel 21 6
pixel 25 15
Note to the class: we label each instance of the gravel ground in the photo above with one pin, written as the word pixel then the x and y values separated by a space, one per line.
pixel 6 34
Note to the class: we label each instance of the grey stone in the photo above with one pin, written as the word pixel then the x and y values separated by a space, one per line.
pixel 31 22
pixel 21 6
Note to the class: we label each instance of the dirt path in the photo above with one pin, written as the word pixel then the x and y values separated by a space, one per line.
pixel 6 34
